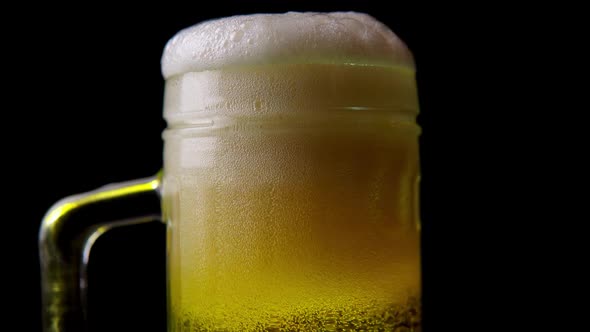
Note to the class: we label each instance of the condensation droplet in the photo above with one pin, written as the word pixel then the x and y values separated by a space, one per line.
pixel 236 36
pixel 258 105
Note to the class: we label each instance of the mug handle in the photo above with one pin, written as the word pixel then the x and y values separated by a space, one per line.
pixel 66 235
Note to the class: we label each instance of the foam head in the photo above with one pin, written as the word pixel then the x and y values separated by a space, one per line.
pixel 290 38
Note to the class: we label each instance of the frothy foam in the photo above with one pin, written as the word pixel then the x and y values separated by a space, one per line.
pixel 290 38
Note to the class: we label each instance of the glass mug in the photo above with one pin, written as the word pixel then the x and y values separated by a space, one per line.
pixel 290 199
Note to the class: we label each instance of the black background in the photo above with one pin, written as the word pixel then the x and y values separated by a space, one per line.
pixel 86 110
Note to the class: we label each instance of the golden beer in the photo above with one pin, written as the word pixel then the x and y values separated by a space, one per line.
pixel 292 199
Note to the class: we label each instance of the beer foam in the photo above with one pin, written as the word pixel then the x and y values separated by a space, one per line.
pixel 290 38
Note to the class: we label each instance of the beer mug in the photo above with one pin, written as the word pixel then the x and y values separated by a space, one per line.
pixel 289 188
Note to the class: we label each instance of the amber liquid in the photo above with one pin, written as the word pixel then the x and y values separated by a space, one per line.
pixel 294 228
